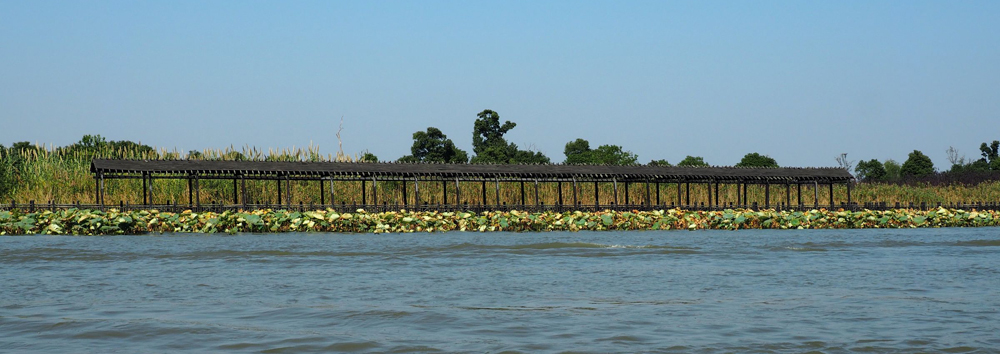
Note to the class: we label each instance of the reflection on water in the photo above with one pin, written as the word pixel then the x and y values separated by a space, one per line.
pixel 926 290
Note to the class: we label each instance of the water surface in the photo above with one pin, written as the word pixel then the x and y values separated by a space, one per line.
pixel 832 291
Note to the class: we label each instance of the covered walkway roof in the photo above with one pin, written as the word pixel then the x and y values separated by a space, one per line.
pixel 320 170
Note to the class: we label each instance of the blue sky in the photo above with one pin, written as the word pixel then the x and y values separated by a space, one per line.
pixel 801 81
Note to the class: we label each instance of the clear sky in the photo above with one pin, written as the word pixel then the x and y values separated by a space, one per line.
pixel 801 81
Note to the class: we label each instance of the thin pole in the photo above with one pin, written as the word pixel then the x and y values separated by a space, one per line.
pixel 767 195
pixel 333 196
pixel 739 193
pixel 687 193
pixel 364 193
pixel 788 194
pixel 798 186
pixel 497 180
pixel 816 193
pixel 575 202
pixel 416 191
pixel 191 190
pixel 197 191
pixel 597 200
pixel 626 193
pixel 848 193
pixel 288 190
pixel 648 199
pixel 717 193
pixel 657 193
pixel 458 193
pixel 322 192
pixel 484 191
pixel 444 192
pixel 615 181
pixel 100 189
pixel 243 190
pixel 537 201
pixel 709 188
pixel 404 194
pixel 522 193
pixel 559 187
pixel 831 195
pixel 145 201
pixel 374 191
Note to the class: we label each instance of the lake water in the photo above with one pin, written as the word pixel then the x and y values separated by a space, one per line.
pixel 831 291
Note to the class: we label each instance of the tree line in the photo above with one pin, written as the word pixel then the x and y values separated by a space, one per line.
pixel 919 167
pixel 490 147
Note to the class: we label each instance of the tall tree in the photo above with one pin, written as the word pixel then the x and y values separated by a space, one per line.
pixel 692 161
pixel 660 162
pixel 490 146
pixel 434 146
pixel 757 160
pixel 870 171
pixel 892 169
pixel 579 152
pixel 917 165
pixel 991 154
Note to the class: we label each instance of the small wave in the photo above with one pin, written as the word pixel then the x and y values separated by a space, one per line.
pixel 559 245
pixel 979 243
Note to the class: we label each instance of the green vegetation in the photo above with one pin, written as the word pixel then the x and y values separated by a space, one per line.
pixel 92 222
pixel 692 161
pixel 579 152
pixel 757 160
pixel 434 146
pixel 490 146
pixel 917 165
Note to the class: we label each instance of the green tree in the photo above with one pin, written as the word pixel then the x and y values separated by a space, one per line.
pixel 195 155
pixel 692 161
pixel 490 146
pixel 579 152
pixel 368 157
pixel 870 171
pixel 660 162
pixel 757 160
pixel 434 146
pixel 991 154
pixel 917 165
pixel 892 170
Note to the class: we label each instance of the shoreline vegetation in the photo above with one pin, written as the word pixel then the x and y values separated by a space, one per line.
pixel 114 222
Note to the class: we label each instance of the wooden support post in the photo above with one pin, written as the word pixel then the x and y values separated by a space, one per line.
pixel 416 191
pixel 657 192
pixel 831 195
pixel 597 199
pixel 197 191
pixel 374 191
pixel 687 193
pixel 746 199
pixel 788 195
pixel 191 190
pixel 322 192
pixel 816 193
pixel 522 193
pixel 767 195
pixel 627 202
pixel 278 183
pixel 615 181
pixel 559 187
pixel 798 187
pixel 333 196
pixel 484 191
pixel 405 196
pixel 243 190
pixel 364 192
pixel 649 200
pixel 708 188
pixel 100 190
pixel 537 201
pixel 145 201
pixel 679 194
pixel 236 195
pixel 717 193
pixel 848 194
pixel 739 193
pixel 458 193
pixel 497 180
pixel 288 190
pixel 575 201
pixel 444 192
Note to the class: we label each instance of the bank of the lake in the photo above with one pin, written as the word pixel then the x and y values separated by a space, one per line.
pixel 114 222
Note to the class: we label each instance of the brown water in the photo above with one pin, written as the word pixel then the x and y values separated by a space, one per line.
pixel 905 291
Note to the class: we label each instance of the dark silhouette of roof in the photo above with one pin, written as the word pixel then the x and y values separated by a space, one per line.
pixel 251 169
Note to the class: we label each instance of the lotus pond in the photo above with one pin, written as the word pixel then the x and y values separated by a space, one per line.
pixel 114 222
